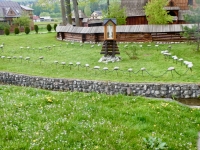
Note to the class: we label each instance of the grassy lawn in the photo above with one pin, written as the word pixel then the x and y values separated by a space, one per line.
pixel 39 119
pixel 44 50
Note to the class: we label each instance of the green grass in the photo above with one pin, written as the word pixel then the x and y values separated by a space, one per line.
pixel 150 58
pixel 39 119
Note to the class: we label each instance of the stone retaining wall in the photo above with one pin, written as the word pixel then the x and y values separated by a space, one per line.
pixel 157 90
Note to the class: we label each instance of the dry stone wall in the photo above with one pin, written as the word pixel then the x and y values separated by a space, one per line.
pixel 156 90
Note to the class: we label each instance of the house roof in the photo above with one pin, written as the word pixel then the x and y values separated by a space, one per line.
pixel 126 29
pixel 6 6
pixel 134 7
pixel 109 19
pixel 26 8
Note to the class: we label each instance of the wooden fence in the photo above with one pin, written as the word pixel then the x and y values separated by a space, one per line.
pixel 125 33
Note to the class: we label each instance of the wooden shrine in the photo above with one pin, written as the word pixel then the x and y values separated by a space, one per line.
pixel 109 47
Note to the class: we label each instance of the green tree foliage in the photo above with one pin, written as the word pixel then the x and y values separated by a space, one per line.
pixel 6 31
pixel 194 17
pixel 44 14
pixel 189 32
pixel 155 12
pixel 24 20
pixel 115 11
pixel 36 28
pixel 16 30
pixel 49 27
pixel 4 25
pixel 54 26
pixel 27 30
pixel 87 10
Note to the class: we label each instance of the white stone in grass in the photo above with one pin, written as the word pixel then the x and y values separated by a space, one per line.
pixel 78 63
pixel 170 68
pixel 2 57
pixel 27 58
pixel 87 65
pixel 56 62
pixel 143 68
pixel 63 63
pixel 20 57
pixel 41 57
pixel 21 47
pixel 70 63
pixel 8 57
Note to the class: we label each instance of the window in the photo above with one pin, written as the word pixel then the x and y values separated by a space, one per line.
pixel 190 2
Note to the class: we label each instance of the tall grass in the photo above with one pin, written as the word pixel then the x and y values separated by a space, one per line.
pixel 47 46
pixel 39 119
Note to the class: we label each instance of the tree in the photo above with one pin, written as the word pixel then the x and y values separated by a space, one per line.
pixel 16 30
pixel 27 30
pixel 49 27
pixel 6 31
pixel 115 11
pixel 76 12
pixel 36 28
pixel 155 12
pixel 63 10
pixel 68 10
pixel 4 25
pixel 24 20
pixel 87 10
pixel 44 14
pixel 194 17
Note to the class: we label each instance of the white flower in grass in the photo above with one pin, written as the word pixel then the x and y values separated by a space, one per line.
pixel 105 68
pixel 130 69
pixel 171 68
pixel 116 68
pixel 96 67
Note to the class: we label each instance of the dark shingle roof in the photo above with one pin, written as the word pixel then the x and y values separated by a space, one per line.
pixel 6 6
pixel 134 7
pixel 125 29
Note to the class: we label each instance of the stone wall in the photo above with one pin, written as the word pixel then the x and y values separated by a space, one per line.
pixel 157 90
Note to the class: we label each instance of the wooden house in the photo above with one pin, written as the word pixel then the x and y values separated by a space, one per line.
pixel 136 14
pixel 81 17
pixel 10 10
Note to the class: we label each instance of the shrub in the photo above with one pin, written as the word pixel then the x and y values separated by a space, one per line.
pixel 6 31
pixel 55 25
pixel 16 30
pixel 4 25
pixel 27 30
pixel 36 28
pixel 49 27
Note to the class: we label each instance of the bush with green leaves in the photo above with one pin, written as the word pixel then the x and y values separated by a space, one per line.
pixel 49 27
pixel 16 30
pixel 4 25
pixel 36 28
pixel 6 31
pixel 27 30
pixel 55 25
